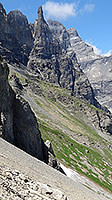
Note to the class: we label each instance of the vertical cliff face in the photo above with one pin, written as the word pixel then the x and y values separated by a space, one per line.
pixel 84 52
pixel 19 23
pixel 97 68
pixel 48 44
pixel 6 106
pixel 15 36
pixel 2 17
pixel 18 124
pixel 25 128
pixel 53 60
pixel 45 44
pixel 59 31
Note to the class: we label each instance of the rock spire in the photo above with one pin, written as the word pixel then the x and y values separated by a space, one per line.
pixel 40 13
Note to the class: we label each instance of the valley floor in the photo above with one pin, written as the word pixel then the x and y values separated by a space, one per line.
pixel 14 160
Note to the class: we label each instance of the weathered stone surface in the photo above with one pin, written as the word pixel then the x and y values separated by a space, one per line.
pixel 15 36
pixel 26 131
pixel 52 59
pixel 2 18
pixel 49 146
pixel 16 185
pixel 18 123
pixel 59 31
pixel 97 68
pixel 16 84
pixel 83 51
pixel 20 25
pixel 52 158
pixel 6 106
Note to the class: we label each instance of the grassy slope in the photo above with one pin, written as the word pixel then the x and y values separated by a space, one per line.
pixel 75 144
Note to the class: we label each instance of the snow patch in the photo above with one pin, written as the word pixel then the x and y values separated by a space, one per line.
pixel 83 180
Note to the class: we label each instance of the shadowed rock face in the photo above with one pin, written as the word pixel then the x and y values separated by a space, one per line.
pixel 52 59
pixel 19 23
pixel 15 36
pixel 18 124
pixel 6 107
pixel 2 13
pixel 60 33
pixel 53 55
pixel 45 44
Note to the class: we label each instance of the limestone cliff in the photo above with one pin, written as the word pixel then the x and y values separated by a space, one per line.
pixel 52 82
pixel 52 60
pixel 6 106
pixel 98 68
pixel 18 124
pixel 55 55
pixel 15 36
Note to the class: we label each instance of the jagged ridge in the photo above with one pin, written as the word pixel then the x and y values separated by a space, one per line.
pixel 53 61
pixel 15 36
pixel 97 68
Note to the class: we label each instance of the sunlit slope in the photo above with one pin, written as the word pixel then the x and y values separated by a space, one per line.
pixel 75 139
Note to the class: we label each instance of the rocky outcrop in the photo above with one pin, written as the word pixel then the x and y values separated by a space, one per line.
pixel 17 121
pixel 26 131
pixel 18 124
pixel 52 161
pixel 100 73
pixel 84 52
pixel 53 61
pixel 16 84
pixel 6 106
pixel 15 36
pixel 19 23
pixel 97 68
pixel 57 55
pixel 59 31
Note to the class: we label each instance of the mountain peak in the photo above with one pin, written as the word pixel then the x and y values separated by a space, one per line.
pixel 2 10
pixel 40 13
pixel 1 6
pixel 73 32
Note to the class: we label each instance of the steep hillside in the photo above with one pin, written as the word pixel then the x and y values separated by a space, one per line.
pixel 23 177
pixel 17 121
pixel 97 68
pixel 80 133
pixel 46 79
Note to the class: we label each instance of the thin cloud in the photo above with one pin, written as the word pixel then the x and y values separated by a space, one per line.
pixel 87 8
pixel 109 53
pixel 99 51
pixel 59 10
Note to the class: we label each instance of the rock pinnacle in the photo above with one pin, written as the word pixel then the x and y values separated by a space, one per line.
pixel 40 13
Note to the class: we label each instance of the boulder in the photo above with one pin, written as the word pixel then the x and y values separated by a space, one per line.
pixel 52 161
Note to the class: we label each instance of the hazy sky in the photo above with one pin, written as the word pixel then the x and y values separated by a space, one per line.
pixel 91 18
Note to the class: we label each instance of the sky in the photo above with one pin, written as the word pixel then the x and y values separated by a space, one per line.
pixel 91 18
